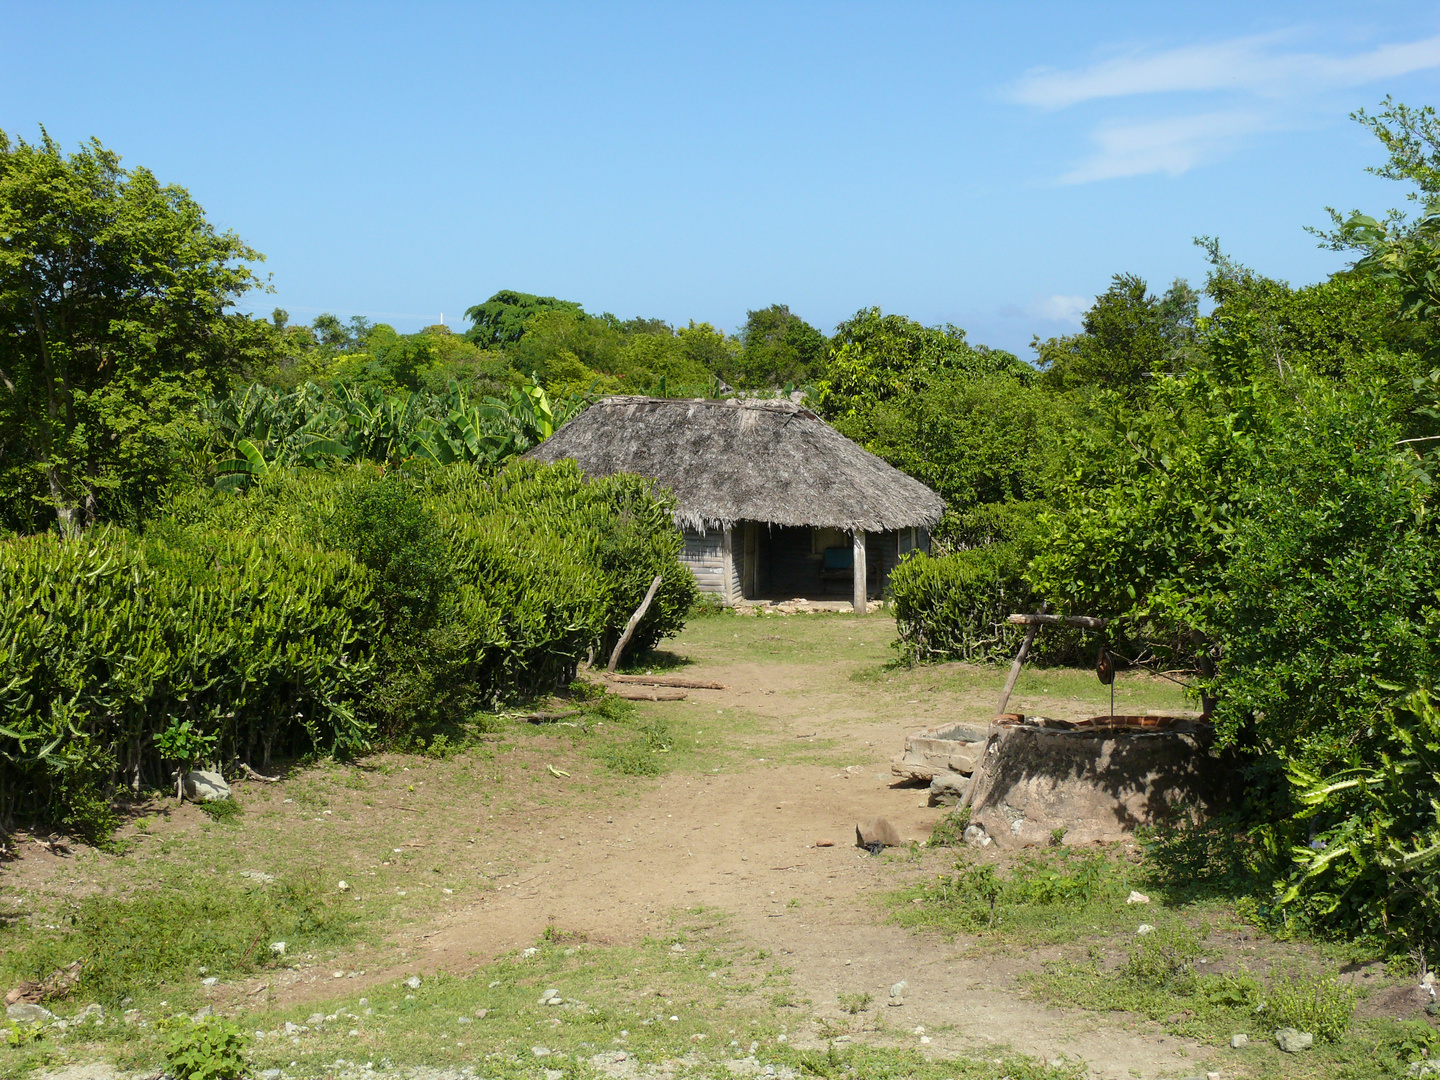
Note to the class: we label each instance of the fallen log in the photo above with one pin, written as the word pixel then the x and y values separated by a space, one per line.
pixel 647 693
pixel 667 680
pixel 547 717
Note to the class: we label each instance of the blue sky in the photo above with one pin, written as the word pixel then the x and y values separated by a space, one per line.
pixel 989 165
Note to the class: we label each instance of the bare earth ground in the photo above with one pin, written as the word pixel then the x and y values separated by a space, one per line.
pixel 459 861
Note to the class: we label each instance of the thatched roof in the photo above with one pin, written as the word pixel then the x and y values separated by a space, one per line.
pixel 729 461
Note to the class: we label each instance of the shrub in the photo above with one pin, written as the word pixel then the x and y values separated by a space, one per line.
pixel 1320 1006
pixel 953 607
pixel 1372 866
pixel 205 1049
pixel 108 642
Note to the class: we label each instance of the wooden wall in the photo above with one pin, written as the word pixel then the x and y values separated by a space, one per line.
pixel 785 562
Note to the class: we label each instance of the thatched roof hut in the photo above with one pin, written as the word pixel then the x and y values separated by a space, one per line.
pixel 761 470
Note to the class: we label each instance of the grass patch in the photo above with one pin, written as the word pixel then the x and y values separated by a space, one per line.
pixel 1043 897
pixel 222 810
pixel 1159 979
pixel 162 936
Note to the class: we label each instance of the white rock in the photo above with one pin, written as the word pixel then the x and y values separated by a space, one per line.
pixel 211 981
pixel 1237 1041
pixel 278 948
pixel 413 982
pixel 24 1013
pixel 1137 898
pixel 344 886
pixel 203 786
pixel 1143 929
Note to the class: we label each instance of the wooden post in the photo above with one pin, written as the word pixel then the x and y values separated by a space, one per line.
pixel 858 571
pixel 727 567
pixel 1030 631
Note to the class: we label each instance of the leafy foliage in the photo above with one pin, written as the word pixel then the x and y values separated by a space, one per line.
pixel 113 326
pixel 206 1049
pixel 1372 868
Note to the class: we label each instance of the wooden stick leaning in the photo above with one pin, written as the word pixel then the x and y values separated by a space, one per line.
pixel 630 626
pixel 1031 631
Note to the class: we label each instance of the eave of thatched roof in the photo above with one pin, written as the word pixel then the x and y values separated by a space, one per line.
pixel 729 461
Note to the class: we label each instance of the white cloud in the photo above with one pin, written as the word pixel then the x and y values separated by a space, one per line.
pixel 1252 65
pixel 1174 145
pixel 1058 308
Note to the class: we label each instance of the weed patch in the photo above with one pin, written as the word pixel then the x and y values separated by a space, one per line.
pixel 166 932
pixel 1041 898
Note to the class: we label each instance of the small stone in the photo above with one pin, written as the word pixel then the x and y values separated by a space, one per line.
pixel 291 1028
pixel 1143 929
pixel 337 974
pixel 547 995
pixel 315 1019
pixel 1212 1076
pixel 1137 898
pixel 1237 1041
pixel 540 1051
pixel 464 1020
pixel 925 1040
pixel 874 834
pixel 413 982
pixel 529 952
pixel 1292 1041
pixel 209 981
pixel 824 841
pixel 278 948
pixel 1423 1068
pixel 354 1032
pixel 270 1074
pixel 480 1014
pixel 24 1013
pixel 95 1012
pixel 973 834
pixel 897 993
pixel 344 886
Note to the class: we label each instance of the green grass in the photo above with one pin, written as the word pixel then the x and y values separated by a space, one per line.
pixel 1042 897
pixel 689 993
pixel 157 940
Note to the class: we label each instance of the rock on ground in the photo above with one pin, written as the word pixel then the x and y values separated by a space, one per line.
pixel 876 831
pixel 203 786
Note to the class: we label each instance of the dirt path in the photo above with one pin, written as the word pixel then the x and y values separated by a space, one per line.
pixel 744 842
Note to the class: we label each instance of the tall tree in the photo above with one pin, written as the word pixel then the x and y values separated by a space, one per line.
pixel 779 348
pixel 502 319
pixel 1129 336
pixel 114 292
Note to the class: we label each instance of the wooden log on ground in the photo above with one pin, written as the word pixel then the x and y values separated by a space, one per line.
pixel 630 626
pixel 667 680
pixel 648 693
pixel 1085 622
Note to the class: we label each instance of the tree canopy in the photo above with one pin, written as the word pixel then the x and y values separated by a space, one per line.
pixel 114 324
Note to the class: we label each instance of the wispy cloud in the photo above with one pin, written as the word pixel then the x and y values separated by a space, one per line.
pixel 1275 79
pixel 1172 146
pixel 1253 65
pixel 1057 308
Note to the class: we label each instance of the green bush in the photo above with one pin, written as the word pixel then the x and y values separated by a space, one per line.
pixel 953 607
pixel 1371 865
pixel 314 611
pixel 205 1049
pixel 111 641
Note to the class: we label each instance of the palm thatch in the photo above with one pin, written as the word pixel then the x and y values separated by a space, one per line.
pixel 729 461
